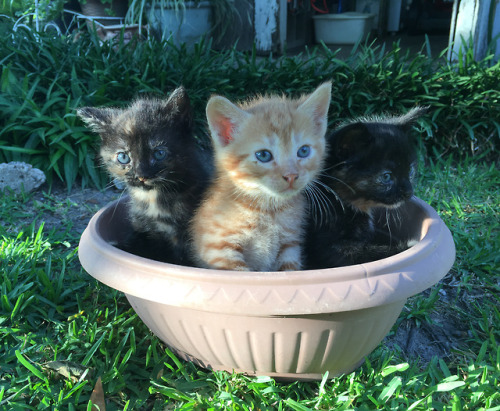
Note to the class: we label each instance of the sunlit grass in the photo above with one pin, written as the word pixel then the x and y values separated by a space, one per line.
pixel 60 330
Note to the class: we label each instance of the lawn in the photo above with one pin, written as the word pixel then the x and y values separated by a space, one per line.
pixel 64 335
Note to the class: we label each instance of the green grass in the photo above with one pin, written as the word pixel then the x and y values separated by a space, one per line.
pixel 60 330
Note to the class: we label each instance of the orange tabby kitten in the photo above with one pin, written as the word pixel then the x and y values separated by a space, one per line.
pixel 266 152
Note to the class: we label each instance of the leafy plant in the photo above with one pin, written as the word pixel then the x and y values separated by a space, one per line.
pixel 37 15
pixel 45 79
pixel 223 12
pixel 42 9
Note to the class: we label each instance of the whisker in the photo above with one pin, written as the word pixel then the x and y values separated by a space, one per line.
pixel 165 180
pixel 117 183
pixel 339 180
pixel 314 202
pixel 397 217
pixel 331 190
pixel 322 204
pixel 122 192
pixel 325 204
pixel 109 185
pixel 388 226
pixel 335 166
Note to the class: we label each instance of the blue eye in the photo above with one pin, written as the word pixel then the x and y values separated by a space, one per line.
pixel 123 158
pixel 386 177
pixel 264 156
pixel 304 151
pixel 160 154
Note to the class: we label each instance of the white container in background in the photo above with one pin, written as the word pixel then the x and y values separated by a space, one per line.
pixel 187 24
pixel 342 28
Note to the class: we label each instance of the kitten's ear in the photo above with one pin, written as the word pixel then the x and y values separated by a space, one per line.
pixel 351 139
pixel 179 101
pixel 317 105
pixel 95 118
pixel 224 118
pixel 407 120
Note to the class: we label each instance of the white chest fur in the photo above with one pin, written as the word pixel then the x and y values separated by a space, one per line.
pixel 147 201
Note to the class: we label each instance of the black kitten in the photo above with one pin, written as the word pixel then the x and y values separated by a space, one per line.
pixel 370 165
pixel 149 147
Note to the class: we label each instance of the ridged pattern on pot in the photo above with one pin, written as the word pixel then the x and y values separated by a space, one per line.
pixel 281 293
pixel 277 346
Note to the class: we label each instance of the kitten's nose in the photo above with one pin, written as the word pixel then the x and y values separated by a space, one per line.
pixel 290 178
pixel 407 190
pixel 408 194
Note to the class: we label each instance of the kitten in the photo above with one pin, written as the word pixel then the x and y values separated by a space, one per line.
pixel 267 152
pixel 149 148
pixel 370 165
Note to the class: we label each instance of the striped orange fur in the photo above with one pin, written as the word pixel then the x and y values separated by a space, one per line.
pixel 267 151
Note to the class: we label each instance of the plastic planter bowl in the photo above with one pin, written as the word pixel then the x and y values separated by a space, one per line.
pixel 282 324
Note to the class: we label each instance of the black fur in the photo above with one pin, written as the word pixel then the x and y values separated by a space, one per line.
pixel 369 168
pixel 166 173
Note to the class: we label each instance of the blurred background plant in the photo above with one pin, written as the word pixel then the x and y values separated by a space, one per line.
pixel 61 15
pixel 43 82
pixel 37 14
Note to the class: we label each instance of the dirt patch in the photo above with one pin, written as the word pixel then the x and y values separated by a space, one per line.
pixel 58 209
pixel 441 334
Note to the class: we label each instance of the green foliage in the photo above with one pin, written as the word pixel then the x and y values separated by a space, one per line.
pixel 223 13
pixel 45 79
pixel 465 194
pixel 46 10
pixel 60 331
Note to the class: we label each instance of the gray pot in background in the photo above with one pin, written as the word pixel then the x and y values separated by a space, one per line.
pixel 183 25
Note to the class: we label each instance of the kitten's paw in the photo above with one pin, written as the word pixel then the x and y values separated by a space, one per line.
pixel 230 267
pixel 240 269
pixel 114 243
pixel 411 243
pixel 289 267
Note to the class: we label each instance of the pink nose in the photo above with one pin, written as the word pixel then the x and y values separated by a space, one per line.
pixel 290 178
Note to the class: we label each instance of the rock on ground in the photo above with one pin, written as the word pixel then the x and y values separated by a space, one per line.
pixel 20 177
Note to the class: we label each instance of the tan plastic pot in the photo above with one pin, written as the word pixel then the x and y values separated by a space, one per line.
pixel 282 324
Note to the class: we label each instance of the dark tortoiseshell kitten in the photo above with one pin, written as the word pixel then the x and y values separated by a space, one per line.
pixel 370 166
pixel 149 147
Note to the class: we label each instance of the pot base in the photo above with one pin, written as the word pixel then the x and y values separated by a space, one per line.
pixel 284 377
pixel 292 347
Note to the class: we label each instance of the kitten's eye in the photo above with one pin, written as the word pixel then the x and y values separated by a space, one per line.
pixel 386 177
pixel 123 158
pixel 264 156
pixel 304 151
pixel 160 154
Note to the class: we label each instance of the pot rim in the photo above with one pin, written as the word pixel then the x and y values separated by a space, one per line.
pixel 349 15
pixel 272 293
